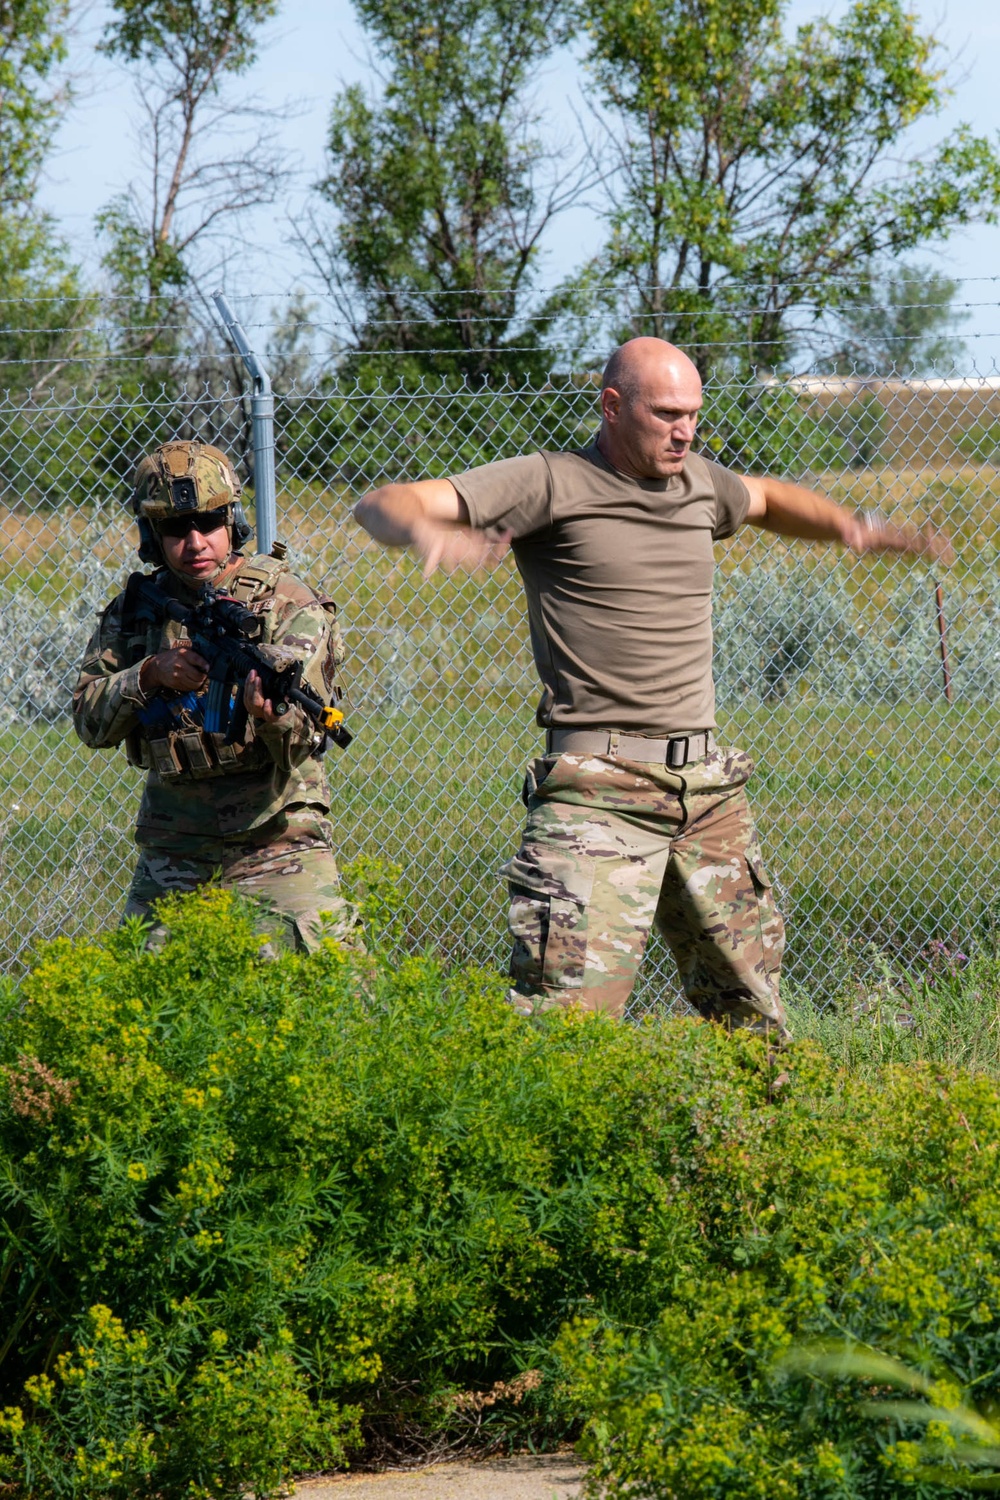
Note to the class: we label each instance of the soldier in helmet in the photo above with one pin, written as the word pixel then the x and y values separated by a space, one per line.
pixel 254 811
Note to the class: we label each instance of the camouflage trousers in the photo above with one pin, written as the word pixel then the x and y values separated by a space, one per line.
pixel 288 867
pixel 613 848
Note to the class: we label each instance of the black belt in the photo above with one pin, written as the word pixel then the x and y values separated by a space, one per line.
pixel 674 754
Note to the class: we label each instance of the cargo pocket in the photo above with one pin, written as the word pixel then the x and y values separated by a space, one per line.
pixel 534 776
pixel 772 926
pixel 548 921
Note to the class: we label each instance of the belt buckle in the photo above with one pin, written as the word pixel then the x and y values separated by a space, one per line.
pixel 676 761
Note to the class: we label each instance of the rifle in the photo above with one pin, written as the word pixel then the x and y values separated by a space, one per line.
pixel 225 633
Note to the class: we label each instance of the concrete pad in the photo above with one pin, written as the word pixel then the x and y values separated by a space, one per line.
pixel 554 1476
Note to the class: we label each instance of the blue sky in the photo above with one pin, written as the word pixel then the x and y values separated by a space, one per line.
pixel 314 45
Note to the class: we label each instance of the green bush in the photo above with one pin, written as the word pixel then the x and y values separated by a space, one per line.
pixel 761 428
pixel 363 430
pixel 841 1214
pixel 780 634
pixel 254 1213
pixel 980 441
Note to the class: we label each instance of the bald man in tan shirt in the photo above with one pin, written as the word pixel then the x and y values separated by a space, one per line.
pixel 636 816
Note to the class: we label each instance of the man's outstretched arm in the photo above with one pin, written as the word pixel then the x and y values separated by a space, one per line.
pixel 790 510
pixel 431 518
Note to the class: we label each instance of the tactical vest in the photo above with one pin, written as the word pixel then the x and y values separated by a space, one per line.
pixel 173 741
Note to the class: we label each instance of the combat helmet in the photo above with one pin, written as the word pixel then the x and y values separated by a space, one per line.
pixel 183 478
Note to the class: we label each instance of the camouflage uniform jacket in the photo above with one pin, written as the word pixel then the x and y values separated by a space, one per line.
pixel 213 790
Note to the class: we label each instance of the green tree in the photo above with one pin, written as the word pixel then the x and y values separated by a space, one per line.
pixel 209 155
pixel 32 95
pixel 898 323
pixel 43 315
pixel 202 169
pixel 442 189
pixel 750 171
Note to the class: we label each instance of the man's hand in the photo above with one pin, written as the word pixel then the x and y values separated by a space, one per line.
pixel 257 705
pixel 454 548
pixel 179 667
pixel 868 532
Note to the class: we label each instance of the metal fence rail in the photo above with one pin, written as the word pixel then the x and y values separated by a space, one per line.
pixel 876 795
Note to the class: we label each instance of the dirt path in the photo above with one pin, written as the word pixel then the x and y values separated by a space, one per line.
pixel 551 1477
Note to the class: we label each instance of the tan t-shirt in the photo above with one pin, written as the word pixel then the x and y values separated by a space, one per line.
pixel 618 576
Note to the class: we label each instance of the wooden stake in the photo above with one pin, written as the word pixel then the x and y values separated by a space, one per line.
pixel 945 669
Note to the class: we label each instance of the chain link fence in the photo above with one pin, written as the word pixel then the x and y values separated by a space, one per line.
pixel 876 792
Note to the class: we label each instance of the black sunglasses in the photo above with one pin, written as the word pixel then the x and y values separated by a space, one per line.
pixel 203 521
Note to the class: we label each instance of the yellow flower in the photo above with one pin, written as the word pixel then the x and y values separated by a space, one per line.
pixel 12 1421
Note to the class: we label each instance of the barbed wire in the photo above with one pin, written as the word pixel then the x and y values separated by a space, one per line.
pixel 788 331
pixel 846 278
pixel 588 365
pixel 814 334
pixel 956 309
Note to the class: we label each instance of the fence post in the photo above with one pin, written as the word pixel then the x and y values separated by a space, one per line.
pixel 262 418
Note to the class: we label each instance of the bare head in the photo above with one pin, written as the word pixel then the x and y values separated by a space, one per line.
pixel 650 399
